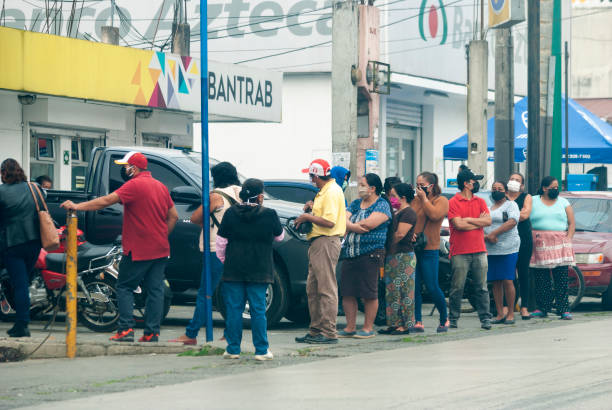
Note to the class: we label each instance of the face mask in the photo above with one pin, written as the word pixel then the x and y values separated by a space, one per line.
pixel 426 189
pixel 395 203
pixel 553 193
pixel 497 195
pixel 514 186
pixel 344 185
pixel 476 187
pixel 125 174
pixel 363 193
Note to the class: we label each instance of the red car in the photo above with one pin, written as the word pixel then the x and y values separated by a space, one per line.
pixel 593 241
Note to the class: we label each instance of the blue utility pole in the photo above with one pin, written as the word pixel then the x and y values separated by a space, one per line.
pixel 205 166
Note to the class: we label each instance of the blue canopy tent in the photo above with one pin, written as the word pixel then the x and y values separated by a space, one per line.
pixel 590 138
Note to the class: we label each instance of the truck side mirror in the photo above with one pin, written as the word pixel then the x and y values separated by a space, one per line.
pixel 186 195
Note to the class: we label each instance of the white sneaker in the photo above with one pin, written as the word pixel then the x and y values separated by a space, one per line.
pixel 264 357
pixel 227 355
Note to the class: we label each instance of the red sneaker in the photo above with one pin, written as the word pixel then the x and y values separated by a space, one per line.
pixel 151 337
pixel 123 336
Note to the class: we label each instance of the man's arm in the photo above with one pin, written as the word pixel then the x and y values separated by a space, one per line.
pixel 481 222
pixel 93 205
pixel 317 220
pixel 462 225
pixel 437 211
pixel 171 219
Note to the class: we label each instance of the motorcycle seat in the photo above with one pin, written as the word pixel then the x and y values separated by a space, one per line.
pixel 56 262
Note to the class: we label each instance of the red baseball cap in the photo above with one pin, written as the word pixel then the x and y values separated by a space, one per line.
pixel 133 158
pixel 318 167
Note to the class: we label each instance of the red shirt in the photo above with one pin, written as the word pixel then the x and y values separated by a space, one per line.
pixel 462 242
pixel 146 202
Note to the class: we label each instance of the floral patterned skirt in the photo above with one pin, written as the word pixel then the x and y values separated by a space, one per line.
pixel 399 281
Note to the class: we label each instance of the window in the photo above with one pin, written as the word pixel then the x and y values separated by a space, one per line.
pixel 291 193
pixel 159 171
pixel 42 156
pixel 81 156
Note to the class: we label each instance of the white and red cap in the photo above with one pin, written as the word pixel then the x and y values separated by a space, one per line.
pixel 133 158
pixel 318 167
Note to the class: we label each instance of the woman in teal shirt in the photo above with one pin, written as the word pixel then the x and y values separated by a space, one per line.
pixel 553 225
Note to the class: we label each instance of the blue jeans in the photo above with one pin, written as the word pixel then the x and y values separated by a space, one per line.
pixel 235 294
pixel 20 261
pixel 199 314
pixel 427 272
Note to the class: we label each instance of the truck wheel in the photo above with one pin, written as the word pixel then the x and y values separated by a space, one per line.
pixel 277 298
pixel 575 287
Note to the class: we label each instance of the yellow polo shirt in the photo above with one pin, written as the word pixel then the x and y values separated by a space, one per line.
pixel 329 205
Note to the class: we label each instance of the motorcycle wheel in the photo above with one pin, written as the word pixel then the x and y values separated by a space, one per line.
pixel 103 314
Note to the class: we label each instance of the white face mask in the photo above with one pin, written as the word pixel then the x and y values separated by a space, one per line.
pixel 514 186
pixel 363 192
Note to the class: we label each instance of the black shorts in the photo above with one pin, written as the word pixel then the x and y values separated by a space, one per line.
pixel 359 275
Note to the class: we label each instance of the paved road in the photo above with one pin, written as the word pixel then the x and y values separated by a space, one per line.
pixel 555 367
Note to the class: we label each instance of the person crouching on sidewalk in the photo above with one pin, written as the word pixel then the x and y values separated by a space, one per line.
pixel 244 245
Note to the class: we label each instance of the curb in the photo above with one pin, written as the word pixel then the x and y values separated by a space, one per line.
pixel 55 350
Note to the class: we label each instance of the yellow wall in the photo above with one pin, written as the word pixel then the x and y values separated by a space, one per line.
pixel 48 64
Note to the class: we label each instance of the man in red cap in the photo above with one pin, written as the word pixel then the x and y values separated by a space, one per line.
pixel 149 217
pixel 328 220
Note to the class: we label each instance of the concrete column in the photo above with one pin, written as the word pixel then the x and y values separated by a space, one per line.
pixel 345 42
pixel 477 107
pixel 181 39
pixel 534 174
pixel 110 35
pixel 504 104
pixel 547 79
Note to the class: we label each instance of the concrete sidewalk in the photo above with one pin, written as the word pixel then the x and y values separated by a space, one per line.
pixel 559 367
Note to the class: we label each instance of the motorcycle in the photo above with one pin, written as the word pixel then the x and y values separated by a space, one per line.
pixel 97 268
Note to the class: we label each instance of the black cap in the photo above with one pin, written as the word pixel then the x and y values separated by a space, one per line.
pixel 466 175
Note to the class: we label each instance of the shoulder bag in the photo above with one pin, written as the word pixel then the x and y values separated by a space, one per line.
pixel 231 201
pixel 421 239
pixel 49 237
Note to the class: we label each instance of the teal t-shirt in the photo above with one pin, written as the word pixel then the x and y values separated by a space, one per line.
pixel 549 218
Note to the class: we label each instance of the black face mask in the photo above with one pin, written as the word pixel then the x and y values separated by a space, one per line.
pixel 124 174
pixel 476 187
pixel 553 193
pixel 498 195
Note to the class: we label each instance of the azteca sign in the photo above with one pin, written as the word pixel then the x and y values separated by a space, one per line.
pixel 432 18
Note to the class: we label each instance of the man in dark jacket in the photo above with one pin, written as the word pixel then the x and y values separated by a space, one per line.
pixel 149 217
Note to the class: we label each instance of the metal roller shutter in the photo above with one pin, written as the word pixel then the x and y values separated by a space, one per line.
pixel 404 114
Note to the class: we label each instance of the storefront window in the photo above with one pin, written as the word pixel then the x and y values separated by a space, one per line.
pixel 81 156
pixel 42 156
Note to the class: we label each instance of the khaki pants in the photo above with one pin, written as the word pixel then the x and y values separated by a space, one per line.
pixel 321 285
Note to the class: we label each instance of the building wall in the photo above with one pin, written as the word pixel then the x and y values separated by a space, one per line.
pixel 68 119
pixel 281 150
pixel 591 48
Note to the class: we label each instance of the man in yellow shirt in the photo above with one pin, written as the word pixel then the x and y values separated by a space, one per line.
pixel 328 220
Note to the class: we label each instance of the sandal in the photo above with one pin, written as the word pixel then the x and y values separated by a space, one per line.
pixel 387 331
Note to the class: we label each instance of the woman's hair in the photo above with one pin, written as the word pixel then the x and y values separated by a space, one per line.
pixel 404 190
pixel 432 179
pixel 390 182
pixel 12 172
pixel 546 181
pixel 374 180
pixel 224 174
pixel 251 189
pixel 505 185
pixel 520 175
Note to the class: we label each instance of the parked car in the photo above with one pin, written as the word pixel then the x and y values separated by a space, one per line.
pixel 291 190
pixel 593 241
pixel 181 172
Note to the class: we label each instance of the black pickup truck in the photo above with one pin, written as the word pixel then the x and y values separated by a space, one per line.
pixel 181 172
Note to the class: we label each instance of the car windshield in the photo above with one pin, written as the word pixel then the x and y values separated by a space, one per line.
pixel 592 214
pixel 191 163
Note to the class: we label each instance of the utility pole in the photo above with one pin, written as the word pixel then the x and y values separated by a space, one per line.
pixel 477 106
pixel 345 60
pixel 504 104
pixel 547 85
pixel 555 149
pixel 534 174
pixel 181 32
pixel 110 34
pixel 566 114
